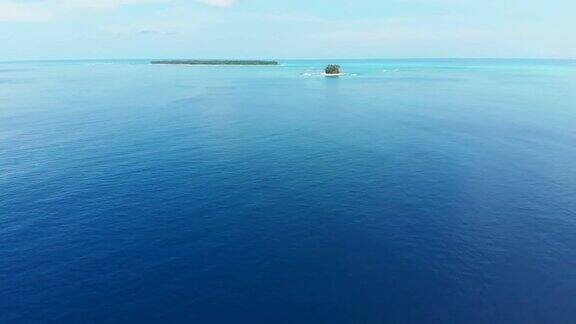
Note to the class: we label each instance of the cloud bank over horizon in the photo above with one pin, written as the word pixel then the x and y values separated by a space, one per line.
pixel 218 3
pixel 48 29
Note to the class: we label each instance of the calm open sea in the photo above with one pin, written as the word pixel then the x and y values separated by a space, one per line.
pixel 407 191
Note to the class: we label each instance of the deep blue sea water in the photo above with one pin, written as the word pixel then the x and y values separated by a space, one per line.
pixel 407 191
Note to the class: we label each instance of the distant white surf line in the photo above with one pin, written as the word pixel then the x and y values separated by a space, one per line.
pixel 318 74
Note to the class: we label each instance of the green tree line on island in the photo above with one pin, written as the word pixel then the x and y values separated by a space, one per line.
pixel 332 69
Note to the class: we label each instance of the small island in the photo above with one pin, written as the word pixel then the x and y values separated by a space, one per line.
pixel 332 70
pixel 215 62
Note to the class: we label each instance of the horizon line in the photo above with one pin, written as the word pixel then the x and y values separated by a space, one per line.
pixel 288 59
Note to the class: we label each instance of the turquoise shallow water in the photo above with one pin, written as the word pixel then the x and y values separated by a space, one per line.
pixel 406 191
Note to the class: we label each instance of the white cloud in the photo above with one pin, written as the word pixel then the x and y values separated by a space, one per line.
pixel 103 4
pixel 44 10
pixel 19 12
pixel 218 3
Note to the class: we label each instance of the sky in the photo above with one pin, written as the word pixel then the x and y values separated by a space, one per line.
pixel 284 29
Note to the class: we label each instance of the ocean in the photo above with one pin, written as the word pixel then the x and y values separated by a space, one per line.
pixel 405 191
